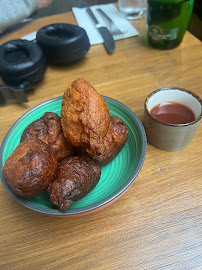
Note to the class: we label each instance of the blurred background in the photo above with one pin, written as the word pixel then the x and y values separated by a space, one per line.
pixel 195 26
pixel 61 6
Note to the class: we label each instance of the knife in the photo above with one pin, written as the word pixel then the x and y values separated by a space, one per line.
pixel 106 35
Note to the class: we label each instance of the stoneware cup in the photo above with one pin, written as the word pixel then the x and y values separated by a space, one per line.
pixel 167 136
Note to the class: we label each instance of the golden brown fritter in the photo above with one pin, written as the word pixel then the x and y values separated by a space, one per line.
pixel 48 129
pixel 85 116
pixel 114 141
pixel 76 176
pixel 31 168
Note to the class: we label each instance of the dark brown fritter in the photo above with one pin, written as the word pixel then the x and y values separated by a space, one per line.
pixel 76 176
pixel 114 141
pixel 31 168
pixel 85 116
pixel 48 129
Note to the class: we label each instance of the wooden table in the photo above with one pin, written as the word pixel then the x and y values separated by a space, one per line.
pixel 157 223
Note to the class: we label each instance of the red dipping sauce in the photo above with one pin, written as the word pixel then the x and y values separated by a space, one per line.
pixel 173 113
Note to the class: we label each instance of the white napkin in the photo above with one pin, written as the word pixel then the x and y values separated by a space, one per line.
pixel 84 21
pixel 30 36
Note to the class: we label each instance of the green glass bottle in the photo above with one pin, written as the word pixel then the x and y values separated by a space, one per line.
pixel 167 22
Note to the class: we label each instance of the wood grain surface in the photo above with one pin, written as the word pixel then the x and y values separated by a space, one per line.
pixel 157 223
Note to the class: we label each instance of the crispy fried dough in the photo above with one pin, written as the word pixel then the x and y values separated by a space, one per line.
pixel 114 141
pixel 85 116
pixel 76 176
pixel 48 129
pixel 31 168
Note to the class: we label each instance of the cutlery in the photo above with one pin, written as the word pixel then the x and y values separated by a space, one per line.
pixel 112 27
pixel 109 42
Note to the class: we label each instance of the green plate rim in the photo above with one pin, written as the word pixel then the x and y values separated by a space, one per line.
pixel 85 209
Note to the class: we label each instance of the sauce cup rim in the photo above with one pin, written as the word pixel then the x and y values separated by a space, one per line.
pixel 172 88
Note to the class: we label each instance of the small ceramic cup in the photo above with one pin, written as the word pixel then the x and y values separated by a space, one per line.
pixel 166 136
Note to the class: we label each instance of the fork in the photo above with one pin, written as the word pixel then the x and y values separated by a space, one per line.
pixel 112 27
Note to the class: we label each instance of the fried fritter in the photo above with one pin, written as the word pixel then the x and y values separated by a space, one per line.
pixel 76 176
pixel 114 141
pixel 85 116
pixel 48 129
pixel 31 168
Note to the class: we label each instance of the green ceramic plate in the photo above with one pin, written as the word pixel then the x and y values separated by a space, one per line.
pixel 116 177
